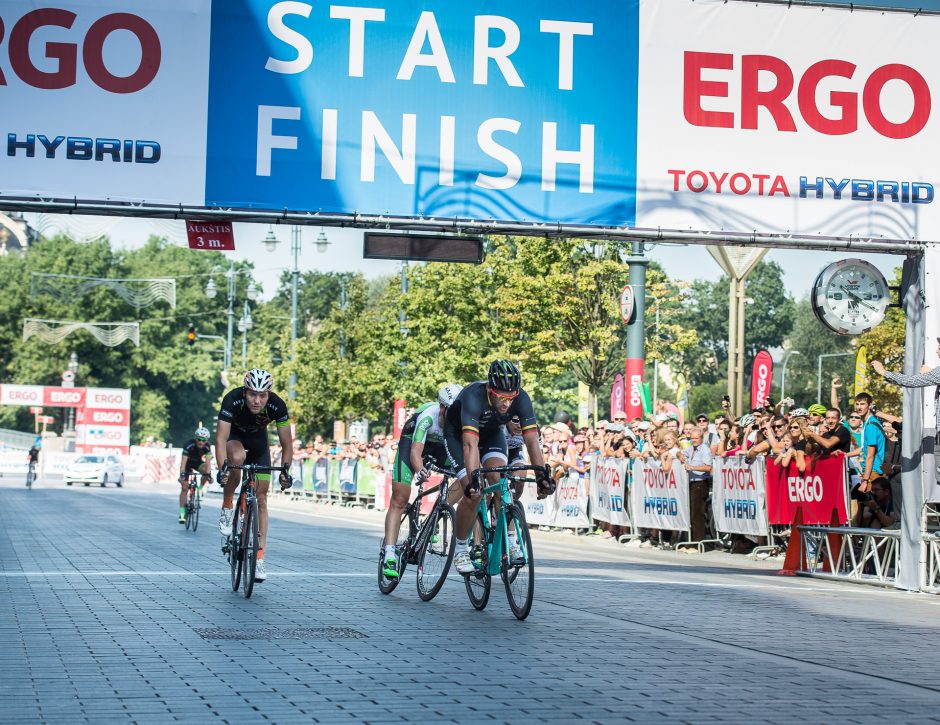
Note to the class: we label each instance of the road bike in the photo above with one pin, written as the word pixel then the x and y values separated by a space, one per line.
pixel 31 474
pixel 497 515
pixel 241 546
pixel 428 543
pixel 193 502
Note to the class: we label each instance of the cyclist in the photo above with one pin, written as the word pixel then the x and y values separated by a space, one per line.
pixel 421 436
pixel 195 458
pixel 474 435
pixel 241 437
pixel 32 457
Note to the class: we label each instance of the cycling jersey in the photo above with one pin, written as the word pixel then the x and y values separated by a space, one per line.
pixel 424 426
pixel 195 454
pixel 235 410
pixel 472 412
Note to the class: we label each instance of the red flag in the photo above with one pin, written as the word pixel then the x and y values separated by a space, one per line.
pixel 761 375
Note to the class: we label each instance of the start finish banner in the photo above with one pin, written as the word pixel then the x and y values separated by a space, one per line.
pixel 666 114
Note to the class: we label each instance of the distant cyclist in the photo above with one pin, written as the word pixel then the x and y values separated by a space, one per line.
pixel 475 435
pixel 32 456
pixel 195 458
pixel 421 436
pixel 241 437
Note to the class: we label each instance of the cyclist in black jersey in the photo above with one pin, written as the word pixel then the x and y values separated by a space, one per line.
pixel 241 437
pixel 475 435
pixel 195 458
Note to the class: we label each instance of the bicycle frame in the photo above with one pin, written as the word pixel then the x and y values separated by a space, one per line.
pixel 497 539
pixel 422 531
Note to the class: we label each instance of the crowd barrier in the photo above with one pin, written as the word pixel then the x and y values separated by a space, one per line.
pixel 344 481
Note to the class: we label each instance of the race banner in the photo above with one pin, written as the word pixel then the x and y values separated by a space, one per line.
pixel 572 502
pixel 739 495
pixel 659 499
pixel 608 493
pixel 538 512
pixel 819 491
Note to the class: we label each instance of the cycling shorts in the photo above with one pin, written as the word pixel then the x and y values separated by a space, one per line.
pixel 492 444
pixel 401 471
pixel 256 447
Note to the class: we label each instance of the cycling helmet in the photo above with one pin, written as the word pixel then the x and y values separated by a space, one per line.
pixel 799 413
pixel 504 375
pixel 745 420
pixel 448 394
pixel 202 433
pixel 258 380
pixel 816 409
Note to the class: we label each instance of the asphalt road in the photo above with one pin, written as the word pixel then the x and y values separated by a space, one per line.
pixel 112 612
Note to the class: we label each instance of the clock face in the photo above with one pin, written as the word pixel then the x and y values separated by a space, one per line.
pixel 851 297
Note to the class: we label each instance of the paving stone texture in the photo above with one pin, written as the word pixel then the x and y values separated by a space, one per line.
pixel 106 604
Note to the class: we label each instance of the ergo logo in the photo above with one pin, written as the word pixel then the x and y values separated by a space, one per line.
pixel 844 102
pixel 97 398
pixel 107 416
pixel 27 396
pixel 66 53
pixel 63 396
pixel 762 380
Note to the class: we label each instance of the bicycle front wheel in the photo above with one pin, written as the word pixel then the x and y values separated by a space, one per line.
pixel 250 553
pixel 30 475
pixel 478 584
pixel 235 549
pixel 196 507
pixel 437 554
pixel 189 509
pixel 519 574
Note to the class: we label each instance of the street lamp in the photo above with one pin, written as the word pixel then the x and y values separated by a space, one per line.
pixel 73 369
pixel 212 291
pixel 783 373
pixel 245 324
pixel 270 243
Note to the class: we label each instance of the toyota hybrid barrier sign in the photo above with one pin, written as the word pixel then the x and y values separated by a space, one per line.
pixel 660 114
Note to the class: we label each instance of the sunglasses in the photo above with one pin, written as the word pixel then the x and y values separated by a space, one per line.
pixel 780 425
pixel 794 427
pixel 202 440
pixel 502 394
pixel 855 417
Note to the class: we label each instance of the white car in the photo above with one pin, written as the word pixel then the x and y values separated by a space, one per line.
pixel 95 469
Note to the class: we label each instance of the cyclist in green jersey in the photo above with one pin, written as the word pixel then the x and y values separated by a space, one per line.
pixel 422 436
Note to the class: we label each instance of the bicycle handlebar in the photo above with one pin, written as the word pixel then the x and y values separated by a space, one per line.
pixel 442 471
pixel 475 482
pixel 255 467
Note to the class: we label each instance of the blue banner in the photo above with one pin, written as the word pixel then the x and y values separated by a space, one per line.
pixel 485 110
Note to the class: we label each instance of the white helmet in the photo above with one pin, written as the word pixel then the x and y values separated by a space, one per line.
pixel 202 432
pixel 258 380
pixel 745 420
pixel 448 394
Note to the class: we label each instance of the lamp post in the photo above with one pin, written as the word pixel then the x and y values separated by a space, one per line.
pixel 270 242
pixel 73 370
pixel 783 373
pixel 245 324
pixel 212 291
pixel 819 360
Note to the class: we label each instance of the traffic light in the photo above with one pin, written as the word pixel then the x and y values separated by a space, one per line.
pixel 191 335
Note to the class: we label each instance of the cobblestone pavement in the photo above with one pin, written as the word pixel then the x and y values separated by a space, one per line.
pixel 107 603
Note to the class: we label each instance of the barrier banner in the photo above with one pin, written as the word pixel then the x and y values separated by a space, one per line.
pixel 538 512
pixel 659 498
pixel 609 490
pixel 818 490
pixel 739 495
pixel 572 503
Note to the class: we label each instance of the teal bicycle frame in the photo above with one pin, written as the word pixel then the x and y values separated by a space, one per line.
pixel 497 540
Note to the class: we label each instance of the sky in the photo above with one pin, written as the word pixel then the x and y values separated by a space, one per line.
pixel 344 253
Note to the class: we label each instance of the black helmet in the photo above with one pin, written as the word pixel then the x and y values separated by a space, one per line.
pixel 504 375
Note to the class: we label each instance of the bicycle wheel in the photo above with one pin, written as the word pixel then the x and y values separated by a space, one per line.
pixel 437 553
pixel 30 475
pixel 196 506
pixel 235 549
pixel 519 575
pixel 189 508
pixel 478 584
pixel 250 553
pixel 387 584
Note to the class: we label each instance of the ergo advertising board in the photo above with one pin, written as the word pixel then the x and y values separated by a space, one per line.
pixel 665 114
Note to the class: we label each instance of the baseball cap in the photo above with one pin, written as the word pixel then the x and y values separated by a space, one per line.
pixel 561 428
pixel 615 428
pixel 602 423
pixel 702 416
pixel 643 425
